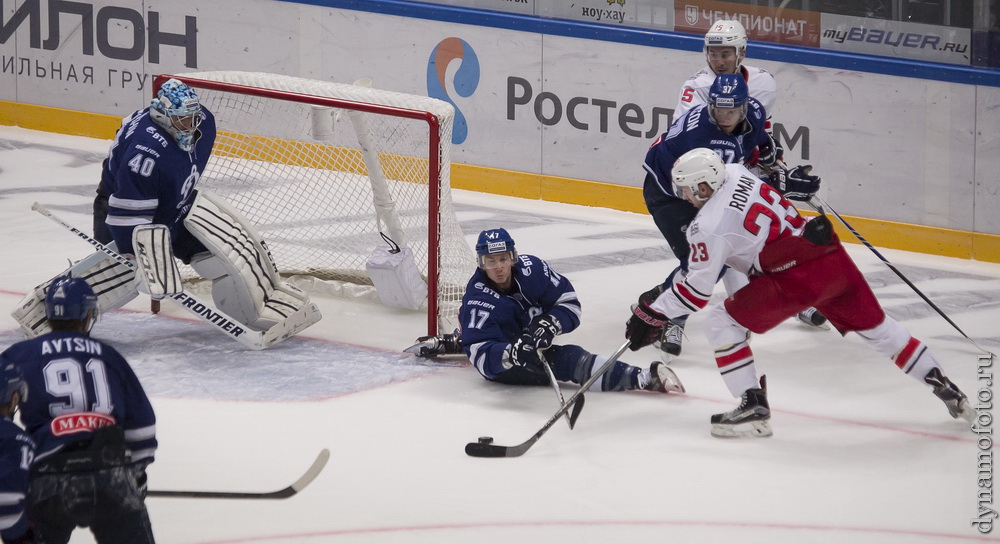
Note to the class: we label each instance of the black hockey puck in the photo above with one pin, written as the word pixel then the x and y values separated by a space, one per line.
pixel 485 439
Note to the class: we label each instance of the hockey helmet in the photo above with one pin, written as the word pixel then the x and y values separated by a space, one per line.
pixel 700 165
pixel 11 380
pixel 728 91
pixel 727 33
pixel 493 241
pixel 70 299
pixel 177 109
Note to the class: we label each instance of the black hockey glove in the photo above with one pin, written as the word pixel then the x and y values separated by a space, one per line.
pixel 523 353
pixel 795 184
pixel 770 153
pixel 543 328
pixel 646 324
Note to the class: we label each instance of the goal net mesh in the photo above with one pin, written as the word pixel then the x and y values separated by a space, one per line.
pixel 322 168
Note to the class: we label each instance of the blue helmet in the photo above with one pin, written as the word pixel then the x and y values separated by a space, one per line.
pixel 177 109
pixel 492 241
pixel 70 299
pixel 728 91
pixel 11 380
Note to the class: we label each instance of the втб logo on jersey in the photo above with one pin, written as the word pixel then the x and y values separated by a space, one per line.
pixel 465 82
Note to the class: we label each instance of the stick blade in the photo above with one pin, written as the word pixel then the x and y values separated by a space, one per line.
pixel 311 473
pixel 285 493
pixel 577 408
pixel 477 449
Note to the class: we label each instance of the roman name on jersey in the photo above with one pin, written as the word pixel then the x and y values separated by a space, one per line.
pixel 79 422
pixel 744 186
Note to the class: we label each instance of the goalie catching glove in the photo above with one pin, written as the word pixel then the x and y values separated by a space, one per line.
pixel 795 184
pixel 646 324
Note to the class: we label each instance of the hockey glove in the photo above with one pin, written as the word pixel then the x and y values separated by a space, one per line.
pixel 429 346
pixel 770 153
pixel 646 324
pixel 524 354
pixel 795 184
pixel 543 328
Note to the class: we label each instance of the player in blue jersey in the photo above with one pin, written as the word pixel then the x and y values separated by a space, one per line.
pixel 733 124
pixel 151 171
pixel 92 423
pixel 514 307
pixel 149 209
pixel 16 453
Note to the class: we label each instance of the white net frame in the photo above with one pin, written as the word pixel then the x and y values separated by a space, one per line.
pixel 322 168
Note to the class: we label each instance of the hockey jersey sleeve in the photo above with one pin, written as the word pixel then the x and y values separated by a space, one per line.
pixel 663 153
pixel 554 293
pixel 139 420
pixel 484 338
pixel 16 453
pixel 134 199
pixel 691 292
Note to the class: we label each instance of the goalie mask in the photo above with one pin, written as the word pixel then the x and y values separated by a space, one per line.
pixel 700 165
pixel 71 299
pixel 492 242
pixel 177 109
pixel 11 381
pixel 727 101
pixel 726 33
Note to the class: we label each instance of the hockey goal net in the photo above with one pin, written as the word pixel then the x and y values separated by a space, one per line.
pixel 322 168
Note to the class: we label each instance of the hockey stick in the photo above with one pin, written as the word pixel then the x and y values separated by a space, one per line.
pixel 481 449
pixel 824 204
pixel 299 485
pixel 256 340
pixel 571 420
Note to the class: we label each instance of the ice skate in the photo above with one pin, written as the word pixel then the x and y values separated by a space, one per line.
pixel 813 318
pixel 663 380
pixel 952 397
pixel 670 342
pixel 750 420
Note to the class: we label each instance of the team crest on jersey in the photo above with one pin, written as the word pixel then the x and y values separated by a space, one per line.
pixel 80 422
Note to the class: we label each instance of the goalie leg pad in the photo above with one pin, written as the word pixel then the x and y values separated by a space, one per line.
pixel 245 282
pixel 113 282
pixel 156 269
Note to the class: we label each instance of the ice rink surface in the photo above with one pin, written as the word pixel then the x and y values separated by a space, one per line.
pixel 861 453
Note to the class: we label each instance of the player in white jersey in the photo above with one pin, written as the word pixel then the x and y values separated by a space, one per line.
pixel 725 50
pixel 792 263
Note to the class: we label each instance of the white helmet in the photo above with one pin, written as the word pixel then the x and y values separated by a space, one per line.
pixel 727 33
pixel 700 165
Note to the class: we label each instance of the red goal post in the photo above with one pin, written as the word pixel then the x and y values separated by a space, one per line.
pixel 322 168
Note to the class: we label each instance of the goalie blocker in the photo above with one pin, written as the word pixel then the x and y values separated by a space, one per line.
pixel 245 285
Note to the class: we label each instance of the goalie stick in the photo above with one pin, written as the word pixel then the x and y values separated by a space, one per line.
pixel 289 491
pixel 571 420
pixel 823 204
pixel 480 449
pixel 256 340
